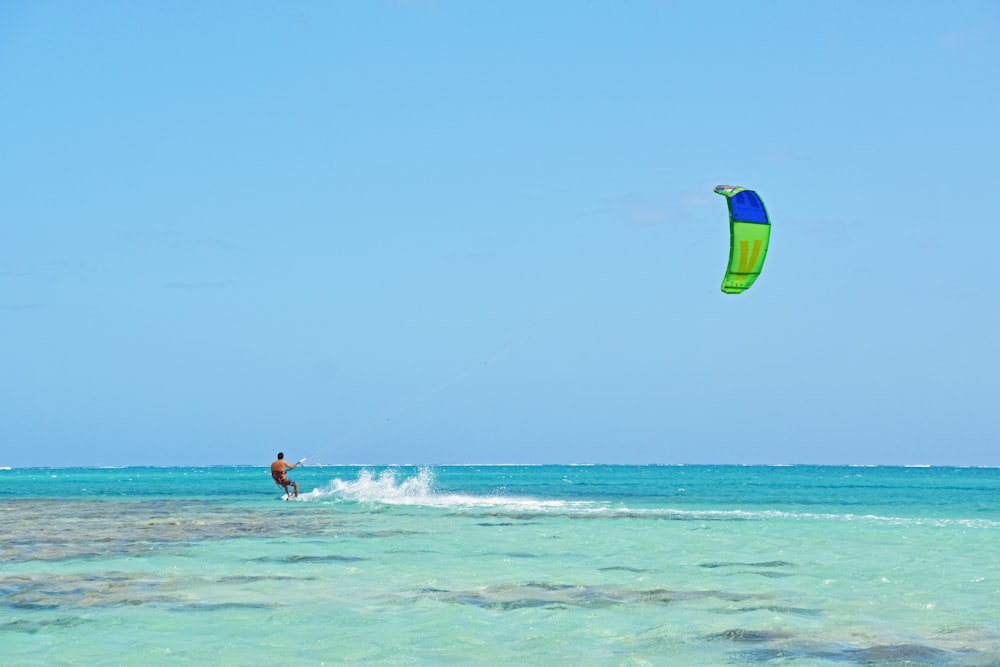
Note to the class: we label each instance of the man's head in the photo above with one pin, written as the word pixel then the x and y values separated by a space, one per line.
pixel 281 455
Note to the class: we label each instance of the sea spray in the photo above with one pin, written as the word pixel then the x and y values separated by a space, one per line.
pixel 388 486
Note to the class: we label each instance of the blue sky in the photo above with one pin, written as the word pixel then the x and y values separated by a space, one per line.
pixel 484 232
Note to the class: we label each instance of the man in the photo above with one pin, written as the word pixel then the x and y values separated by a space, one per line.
pixel 278 469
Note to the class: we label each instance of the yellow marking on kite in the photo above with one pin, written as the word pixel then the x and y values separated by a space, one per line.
pixel 746 265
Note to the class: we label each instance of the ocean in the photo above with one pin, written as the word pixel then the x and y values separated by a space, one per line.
pixel 501 565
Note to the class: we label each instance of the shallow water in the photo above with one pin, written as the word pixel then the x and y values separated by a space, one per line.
pixel 512 565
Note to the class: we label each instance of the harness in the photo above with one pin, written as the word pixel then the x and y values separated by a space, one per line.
pixel 279 477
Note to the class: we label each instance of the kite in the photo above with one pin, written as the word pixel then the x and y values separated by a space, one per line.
pixel 749 233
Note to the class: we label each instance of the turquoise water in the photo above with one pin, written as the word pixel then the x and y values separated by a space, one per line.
pixel 501 565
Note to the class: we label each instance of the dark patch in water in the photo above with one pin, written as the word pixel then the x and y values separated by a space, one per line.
pixel 544 594
pixel 323 559
pixel 744 635
pixel 249 579
pixel 507 605
pixel 205 606
pixel 657 595
pixel 919 655
pixel 508 523
pixel 621 568
pixel 778 609
pixel 33 606
pixel 140 528
pixel 721 595
pixel 385 533
pixel 770 563
pixel 769 575
pixel 106 591
pixel 552 587
pixel 307 559
pixel 31 627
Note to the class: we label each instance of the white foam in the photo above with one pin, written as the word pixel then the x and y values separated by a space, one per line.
pixel 389 487
pixel 393 486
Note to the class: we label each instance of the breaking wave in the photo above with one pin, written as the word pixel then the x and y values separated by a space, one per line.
pixel 393 487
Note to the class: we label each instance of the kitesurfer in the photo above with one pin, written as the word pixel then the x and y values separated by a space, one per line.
pixel 278 469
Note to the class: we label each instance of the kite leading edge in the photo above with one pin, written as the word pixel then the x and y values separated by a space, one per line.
pixel 749 234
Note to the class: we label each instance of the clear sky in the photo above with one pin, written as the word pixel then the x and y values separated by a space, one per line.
pixel 436 231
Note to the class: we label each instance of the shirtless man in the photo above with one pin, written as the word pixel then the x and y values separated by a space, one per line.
pixel 278 469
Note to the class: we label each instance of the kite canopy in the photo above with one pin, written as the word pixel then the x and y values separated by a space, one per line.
pixel 749 233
